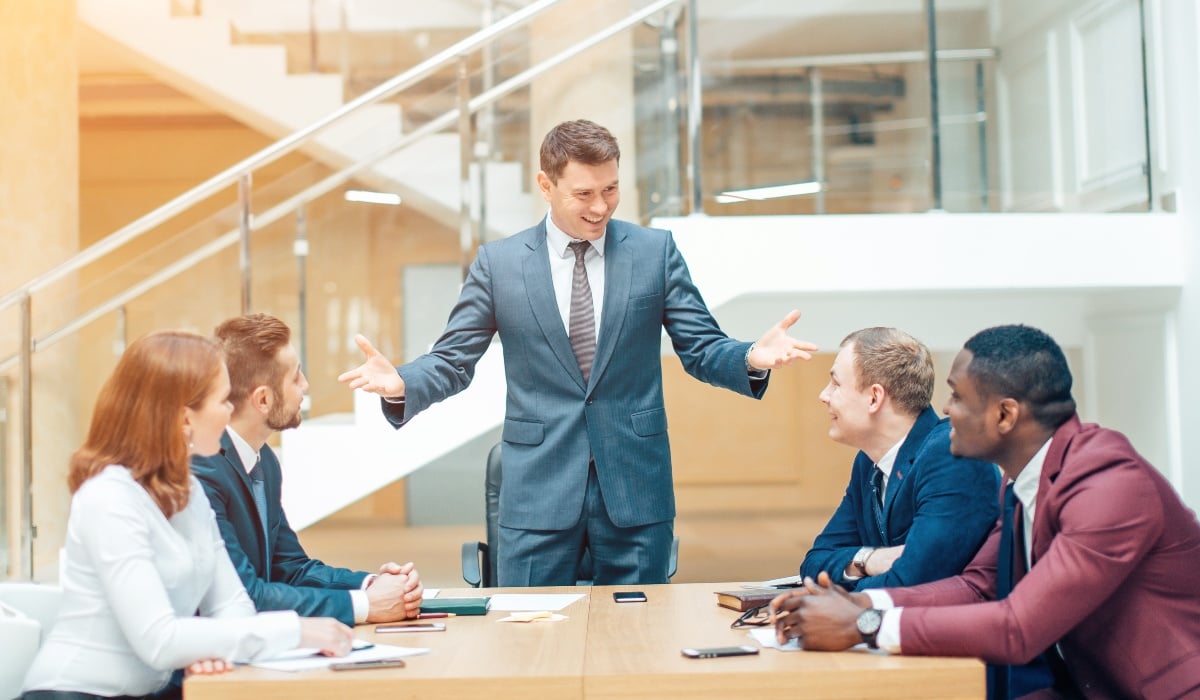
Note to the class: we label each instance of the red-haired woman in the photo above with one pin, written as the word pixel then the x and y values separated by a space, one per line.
pixel 143 550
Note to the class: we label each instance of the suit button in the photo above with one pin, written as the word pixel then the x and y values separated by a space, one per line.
pixel 589 402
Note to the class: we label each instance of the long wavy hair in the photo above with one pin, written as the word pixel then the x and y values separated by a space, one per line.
pixel 138 419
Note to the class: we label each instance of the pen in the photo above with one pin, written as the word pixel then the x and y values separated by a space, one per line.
pixel 434 615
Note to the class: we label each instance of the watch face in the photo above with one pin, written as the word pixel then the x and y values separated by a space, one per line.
pixel 869 621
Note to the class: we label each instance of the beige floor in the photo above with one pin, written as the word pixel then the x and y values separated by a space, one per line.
pixel 726 547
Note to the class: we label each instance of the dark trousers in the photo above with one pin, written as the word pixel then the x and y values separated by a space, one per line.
pixel 619 555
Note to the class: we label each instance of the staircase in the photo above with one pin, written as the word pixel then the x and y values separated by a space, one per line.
pixel 251 84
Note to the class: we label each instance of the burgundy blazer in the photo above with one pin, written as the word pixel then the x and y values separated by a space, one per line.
pixel 1115 579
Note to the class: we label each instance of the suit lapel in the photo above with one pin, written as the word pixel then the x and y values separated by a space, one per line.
pixel 618 276
pixel 230 453
pixel 536 270
pixel 1051 468
pixel 906 456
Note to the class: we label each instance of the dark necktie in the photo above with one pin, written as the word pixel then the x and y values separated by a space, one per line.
pixel 259 490
pixel 582 329
pixel 877 490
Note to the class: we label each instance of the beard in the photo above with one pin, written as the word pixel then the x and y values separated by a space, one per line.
pixel 278 418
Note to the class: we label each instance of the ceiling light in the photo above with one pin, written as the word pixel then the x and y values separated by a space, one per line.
pixel 772 192
pixel 372 197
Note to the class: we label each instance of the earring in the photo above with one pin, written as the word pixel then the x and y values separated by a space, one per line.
pixel 188 437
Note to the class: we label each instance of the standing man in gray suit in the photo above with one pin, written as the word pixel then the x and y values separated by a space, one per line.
pixel 580 301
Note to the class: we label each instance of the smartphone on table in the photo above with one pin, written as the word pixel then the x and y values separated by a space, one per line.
pixel 414 627
pixel 364 665
pixel 629 597
pixel 714 652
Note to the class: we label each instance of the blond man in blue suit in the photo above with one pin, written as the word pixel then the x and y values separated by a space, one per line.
pixel 587 464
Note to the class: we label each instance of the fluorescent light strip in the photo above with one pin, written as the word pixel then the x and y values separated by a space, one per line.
pixel 372 197
pixel 773 192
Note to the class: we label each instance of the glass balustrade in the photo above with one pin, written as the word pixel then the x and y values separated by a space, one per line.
pixel 833 100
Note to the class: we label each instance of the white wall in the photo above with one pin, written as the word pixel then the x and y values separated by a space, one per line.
pixel 1177 22
pixel 1071 104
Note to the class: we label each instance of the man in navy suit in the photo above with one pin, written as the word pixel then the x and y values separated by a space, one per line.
pixel 243 485
pixel 580 302
pixel 913 512
pixel 1093 565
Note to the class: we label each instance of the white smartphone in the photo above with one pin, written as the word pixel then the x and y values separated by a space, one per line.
pixel 714 652
pixel 416 627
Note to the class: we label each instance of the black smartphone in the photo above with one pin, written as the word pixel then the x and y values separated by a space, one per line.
pixel 363 665
pixel 417 627
pixel 629 597
pixel 713 652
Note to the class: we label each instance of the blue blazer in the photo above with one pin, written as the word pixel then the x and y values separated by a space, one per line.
pixel 553 420
pixel 291 580
pixel 940 507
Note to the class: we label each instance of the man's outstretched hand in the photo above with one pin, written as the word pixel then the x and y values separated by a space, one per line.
pixel 777 349
pixel 376 375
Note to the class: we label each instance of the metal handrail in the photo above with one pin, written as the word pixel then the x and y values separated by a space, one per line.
pixel 277 150
pixel 331 182
pixel 847 59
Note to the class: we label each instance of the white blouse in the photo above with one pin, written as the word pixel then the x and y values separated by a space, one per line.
pixel 134 584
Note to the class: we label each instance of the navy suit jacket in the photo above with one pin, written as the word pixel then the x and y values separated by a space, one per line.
pixel 940 507
pixel 291 580
pixel 554 420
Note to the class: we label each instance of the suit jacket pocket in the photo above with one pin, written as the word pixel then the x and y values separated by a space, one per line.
pixel 524 432
pixel 647 423
pixel 645 302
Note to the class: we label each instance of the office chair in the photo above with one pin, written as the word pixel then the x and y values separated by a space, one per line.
pixel 478 558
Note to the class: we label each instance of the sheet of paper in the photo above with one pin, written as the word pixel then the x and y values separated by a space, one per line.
pixel 304 659
pixel 430 592
pixel 512 602
pixel 765 636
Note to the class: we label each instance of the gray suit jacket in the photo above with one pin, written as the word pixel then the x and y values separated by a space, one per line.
pixel 553 420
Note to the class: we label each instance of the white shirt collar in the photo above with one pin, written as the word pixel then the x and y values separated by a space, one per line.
pixel 558 241
pixel 888 460
pixel 1026 485
pixel 245 452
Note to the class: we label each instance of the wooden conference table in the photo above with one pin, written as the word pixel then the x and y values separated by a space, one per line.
pixel 605 650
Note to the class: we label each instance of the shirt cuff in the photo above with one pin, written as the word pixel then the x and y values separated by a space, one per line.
pixel 880 600
pixel 362 605
pixel 888 638
pixel 398 400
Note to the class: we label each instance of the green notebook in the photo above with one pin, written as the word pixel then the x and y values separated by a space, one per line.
pixel 458 606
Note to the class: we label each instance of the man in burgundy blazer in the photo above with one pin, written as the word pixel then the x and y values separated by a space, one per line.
pixel 1113 584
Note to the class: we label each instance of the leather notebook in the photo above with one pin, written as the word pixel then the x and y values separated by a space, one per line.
pixel 746 598
pixel 458 606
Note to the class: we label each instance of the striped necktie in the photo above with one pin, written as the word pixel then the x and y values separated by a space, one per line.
pixel 583 319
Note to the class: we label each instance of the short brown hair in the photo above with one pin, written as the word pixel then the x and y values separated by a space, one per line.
pixel 251 343
pixel 138 419
pixel 898 362
pixel 581 141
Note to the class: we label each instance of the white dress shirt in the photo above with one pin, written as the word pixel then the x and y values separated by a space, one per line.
pixel 885 465
pixel 562 269
pixel 249 458
pixel 1026 487
pixel 137 580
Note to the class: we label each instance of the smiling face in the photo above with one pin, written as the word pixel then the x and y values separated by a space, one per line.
pixel 849 406
pixel 583 199
pixel 972 415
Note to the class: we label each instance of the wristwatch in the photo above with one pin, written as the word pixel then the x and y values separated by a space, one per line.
pixel 859 563
pixel 868 624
